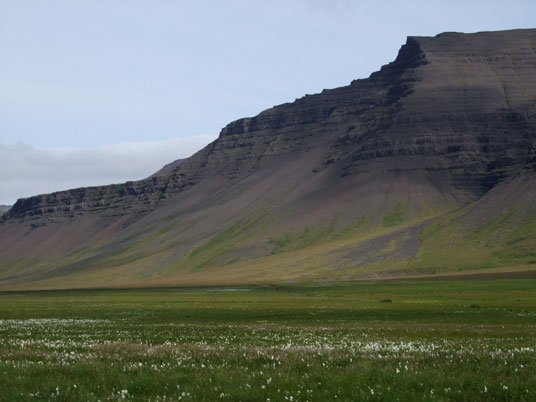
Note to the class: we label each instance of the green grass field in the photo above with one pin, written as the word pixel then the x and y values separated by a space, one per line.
pixel 460 340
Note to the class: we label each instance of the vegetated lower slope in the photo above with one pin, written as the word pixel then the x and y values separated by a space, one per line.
pixel 426 166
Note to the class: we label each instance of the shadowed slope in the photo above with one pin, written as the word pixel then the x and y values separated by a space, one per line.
pixel 334 185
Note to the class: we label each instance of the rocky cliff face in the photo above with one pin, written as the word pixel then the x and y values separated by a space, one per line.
pixel 109 201
pixel 468 99
pixel 462 104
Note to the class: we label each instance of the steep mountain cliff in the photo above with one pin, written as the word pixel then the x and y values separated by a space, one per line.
pixel 355 181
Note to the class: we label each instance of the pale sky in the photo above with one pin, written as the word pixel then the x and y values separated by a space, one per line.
pixel 102 91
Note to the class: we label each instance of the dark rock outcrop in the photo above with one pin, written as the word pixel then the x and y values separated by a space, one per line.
pixel 460 104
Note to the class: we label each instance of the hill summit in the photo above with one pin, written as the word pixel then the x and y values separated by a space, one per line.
pixel 428 166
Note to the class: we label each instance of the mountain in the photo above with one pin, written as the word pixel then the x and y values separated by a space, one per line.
pixel 428 166
pixel 4 208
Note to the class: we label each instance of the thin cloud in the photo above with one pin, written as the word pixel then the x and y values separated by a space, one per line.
pixel 26 170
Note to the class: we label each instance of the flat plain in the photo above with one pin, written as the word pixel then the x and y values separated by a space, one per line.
pixel 446 339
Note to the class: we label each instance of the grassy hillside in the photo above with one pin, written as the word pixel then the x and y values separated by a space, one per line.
pixel 440 242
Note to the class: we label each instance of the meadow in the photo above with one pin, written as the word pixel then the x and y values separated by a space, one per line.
pixel 445 340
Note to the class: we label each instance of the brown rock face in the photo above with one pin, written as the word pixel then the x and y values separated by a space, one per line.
pixel 460 103
pixel 466 99
pixel 451 118
pixel 108 201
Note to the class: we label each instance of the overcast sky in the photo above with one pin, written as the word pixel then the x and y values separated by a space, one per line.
pixel 103 91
